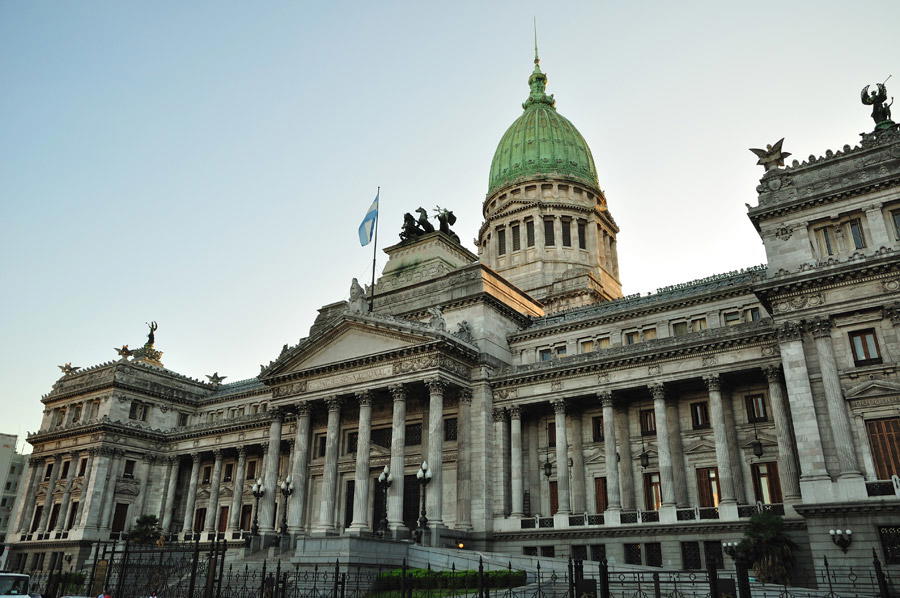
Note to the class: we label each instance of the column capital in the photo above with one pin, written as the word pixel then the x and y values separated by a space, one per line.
pixel 559 405
pixel 302 409
pixel 276 414
pixel 892 312
pixel 148 457
pixel 364 397
pixel 242 451
pixel 398 392
pixel 333 403
pixel 264 447
pixel 465 396
pixel 436 385
pixel 788 331
pixel 772 372
pixel 606 398
pixel 820 327
pixel 713 382
pixel 515 412
pixel 657 390
pixel 217 454
pixel 171 459
pixel 499 414
pixel 195 457
pixel 290 443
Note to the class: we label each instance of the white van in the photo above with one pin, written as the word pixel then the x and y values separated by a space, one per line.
pixel 13 584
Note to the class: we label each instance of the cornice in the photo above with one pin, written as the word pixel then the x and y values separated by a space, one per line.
pixel 681 528
pixel 886 505
pixel 829 275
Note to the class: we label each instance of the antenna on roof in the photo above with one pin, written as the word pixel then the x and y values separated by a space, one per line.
pixel 536 58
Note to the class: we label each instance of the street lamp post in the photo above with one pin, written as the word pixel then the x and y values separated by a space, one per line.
pixel 287 488
pixel 423 476
pixel 257 490
pixel 385 479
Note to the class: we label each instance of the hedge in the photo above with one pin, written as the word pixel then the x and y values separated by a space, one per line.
pixel 422 579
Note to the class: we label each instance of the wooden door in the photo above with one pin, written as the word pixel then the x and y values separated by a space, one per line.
pixel 348 502
pixel 554 498
pixel 119 517
pixel 602 500
pixel 223 519
pixel 199 519
pixel 884 438
pixel 708 486
pixel 246 517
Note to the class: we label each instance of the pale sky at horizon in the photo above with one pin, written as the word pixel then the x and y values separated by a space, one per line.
pixel 206 164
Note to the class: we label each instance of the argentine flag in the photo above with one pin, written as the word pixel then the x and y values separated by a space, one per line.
pixel 367 226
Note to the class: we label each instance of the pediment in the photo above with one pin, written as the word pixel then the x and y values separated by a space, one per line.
pixel 702 446
pixel 872 388
pixel 596 456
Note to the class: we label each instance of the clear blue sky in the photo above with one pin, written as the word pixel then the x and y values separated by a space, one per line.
pixel 206 164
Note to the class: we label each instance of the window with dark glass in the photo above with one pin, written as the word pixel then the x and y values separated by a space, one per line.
pixel 128 472
pixel 865 347
pixel 501 241
pixel 597 428
pixel 449 429
pixel 560 350
pixel 582 234
pixel 884 439
pixel 382 437
pixel 551 434
pixel 632 338
pixel 653 551
pixel 708 486
pixel 350 444
pixel 207 473
pixel 529 233
pixel 65 470
pixel 856 233
pixel 229 472
pixel 530 550
pixel 76 414
pixel 756 408
pixel 48 471
pixel 648 422
pixel 632 554
pixel 700 415
pixel 516 245
pixel 752 314
pixel 895 216
pixel 182 419
pixel 579 552
pixel 82 466
pixel 413 436
pixel 890 543
pixel 826 247
pixel 548 551
pixel 598 552
pixel 549 234
pixel 712 549
pixel 766 485
pixel 690 556
pixel 732 318
pixel 545 355
pixel 251 466
pixel 566 232
pixel 652 491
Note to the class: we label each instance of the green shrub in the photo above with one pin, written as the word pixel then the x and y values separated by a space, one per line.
pixel 423 579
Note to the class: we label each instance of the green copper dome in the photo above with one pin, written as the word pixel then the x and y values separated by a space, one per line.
pixel 541 142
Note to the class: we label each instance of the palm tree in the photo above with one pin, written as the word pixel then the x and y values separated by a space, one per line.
pixel 768 549
pixel 145 530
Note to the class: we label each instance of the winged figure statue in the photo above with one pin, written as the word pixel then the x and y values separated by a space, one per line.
pixel 772 157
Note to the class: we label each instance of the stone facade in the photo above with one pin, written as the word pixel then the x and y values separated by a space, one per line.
pixel 642 428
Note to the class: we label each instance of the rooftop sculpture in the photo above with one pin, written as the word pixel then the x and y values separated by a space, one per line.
pixel 413 228
pixel 772 157
pixel 881 112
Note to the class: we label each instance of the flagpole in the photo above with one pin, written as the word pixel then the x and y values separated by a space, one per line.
pixel 374 252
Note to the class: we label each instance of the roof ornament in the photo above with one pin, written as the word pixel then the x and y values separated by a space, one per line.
pixel 67 368
pixel 124 352
pixel 215 379
pixel 537 81
pixel 881 112
pixel 772 157
pixel 151 338
pixel 358 303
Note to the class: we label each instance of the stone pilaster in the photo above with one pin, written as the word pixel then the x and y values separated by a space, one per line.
pixel 676 445
pixel 579 491
pixel 25 501
pixel 877 229
pixel 663 447
pixel 191 501
pixel 398 461
pixel 146 482
pixel 501 462
pixel 435 495
pixel 329 476
pixel 215 483
pixel 734 449
pixel 517 489
pixel 463 465
pixel 48 499
pixel 171 488
pixel 300 470
pixel 613 492
pixel 96 488
pixel 363 446
pixel 720 434
pixel 237 493
pixel 834 397
pixel 270 478
pixel 115 472
pixel 787 455
pixel 626 466
pixel 67 495
pixel 562 457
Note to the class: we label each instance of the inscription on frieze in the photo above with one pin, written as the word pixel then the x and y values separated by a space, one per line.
pixel 384 371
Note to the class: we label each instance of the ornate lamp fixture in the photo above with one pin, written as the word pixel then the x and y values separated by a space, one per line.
pixel 756 444
pixel 644 456
pixel 258 490
pixel 842 538
pixel 423 476
pixel 287 488
pixel 385 479
pixel 548 467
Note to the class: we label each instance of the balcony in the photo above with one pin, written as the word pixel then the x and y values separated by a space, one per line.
pixel 884 487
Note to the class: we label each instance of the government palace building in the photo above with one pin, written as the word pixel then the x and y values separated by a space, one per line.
pixel 556 416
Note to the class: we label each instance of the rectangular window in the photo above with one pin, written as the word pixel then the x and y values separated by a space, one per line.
pixel 713 551
pixel 865 347
pixel 229 472
pixel 82 467
pixel 598 552
pixel 652 491
pixel 632 338
pixel 766 485
pixel 529 233
pixel 602 343
pixel 579 552
pixel 826 246
pixel 48 471
pixel 890 543
pixel 752 314
pixel 653 551
pixel 73 511
pixel 382 437
pixel 450 429
pixel 601 500
pixel 632 554
pixel 545 354
pixel 516 244
pixel 690 556
pixel 700 415
pixel 856 233
pixel 128 472
pixel 560 351
pixel 884 439
pixel 413 435
pixel 501 241
pixel 76 414
pixel 895 216
pixel 549 234
pixel 756 408
pixel 350 442
pixel 251 469
pixel 551 434
pixel 566 232
pixel 732 318
pixel 207 473
pixel 582 234
pixel 597 428
pixel 648 422
pixel 698 324
pixel 530 550
pixel 679 328
pixel 65 470
pixel 648 334
pixel 587 346
pixel 548 551
pixel 554 497
pixel 708 486
pixel 182 419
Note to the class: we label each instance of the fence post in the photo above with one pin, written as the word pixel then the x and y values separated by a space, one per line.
pixel 337 575
pixel 743 578
pixel 539 579
pixel 657 591
pixel 480 577
pixel 713 578
pixel 509 577
pixel 604 578
pixel 275 593
pixel 879 576
pixel 195 561
pixel 262 582
pixel 403 580
pixel 222 567
pixel 571 580
pixel 123 568
pixel 90 588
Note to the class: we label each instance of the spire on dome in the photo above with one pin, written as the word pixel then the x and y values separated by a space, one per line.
pixel 538 80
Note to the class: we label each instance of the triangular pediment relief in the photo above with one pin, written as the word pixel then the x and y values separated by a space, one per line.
pixel 702 446
pixel 764 439
pixel 379 451
pixel 595 456
pixel 873 388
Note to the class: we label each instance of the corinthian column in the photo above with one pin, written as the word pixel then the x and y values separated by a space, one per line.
pixel 562 457
pixel 237 494
pixel 501 460
pixel 329 474
pixel 436 451
pixel 149 460
pixel 188 524
pixel 515 466
pixel 834 398
pixel 463 466
pixel 614 501
pixel 663 449
pixel 677 448
pixel 67 495
pixel 363 445
pixel 787 455
pixel 213 506
pixel 48 500
pixel 25 500
pixel 723 455
pixel 579 491
pixel 270 480
pixel 626 467
pixel 171 487
pixel 398 461
pixel 300 471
